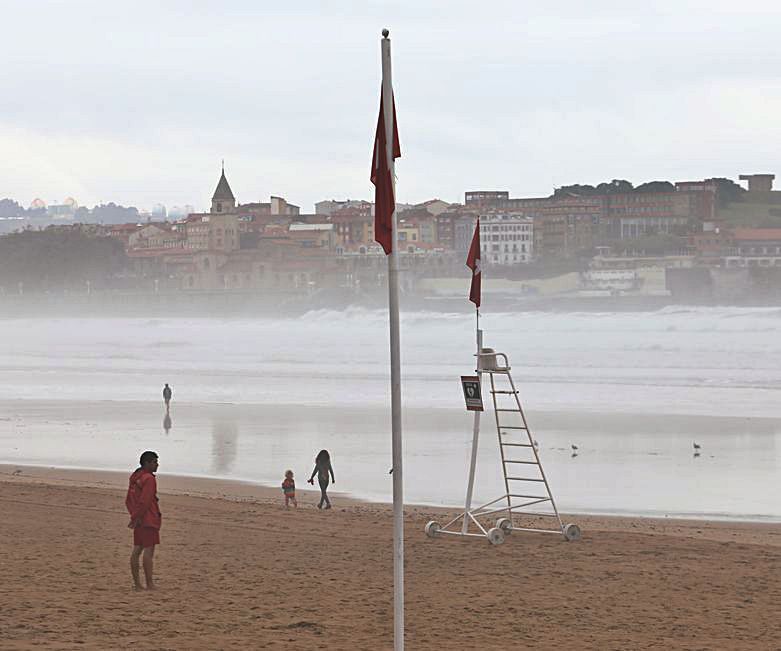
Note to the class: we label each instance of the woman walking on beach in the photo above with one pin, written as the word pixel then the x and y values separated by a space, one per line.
pixel 322 469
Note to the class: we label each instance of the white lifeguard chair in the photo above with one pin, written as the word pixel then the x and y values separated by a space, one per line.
pixel 527 504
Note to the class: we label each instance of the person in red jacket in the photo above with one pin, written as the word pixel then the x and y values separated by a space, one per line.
pixel 145 517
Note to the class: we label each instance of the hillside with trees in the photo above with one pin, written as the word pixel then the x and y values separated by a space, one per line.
pixel 56 260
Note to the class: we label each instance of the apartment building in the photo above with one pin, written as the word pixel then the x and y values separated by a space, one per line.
pixel 506 239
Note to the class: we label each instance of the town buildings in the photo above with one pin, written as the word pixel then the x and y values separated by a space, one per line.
pixel 571 222
pixel 617 237
pixel 753 247
pixel 506 239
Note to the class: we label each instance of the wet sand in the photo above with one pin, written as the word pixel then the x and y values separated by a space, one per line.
pixel 237 571
pixel 627 464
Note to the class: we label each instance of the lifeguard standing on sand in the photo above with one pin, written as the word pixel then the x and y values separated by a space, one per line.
pixel 145 517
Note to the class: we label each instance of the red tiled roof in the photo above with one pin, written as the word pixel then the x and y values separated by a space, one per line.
pixel 158 253
pixel 757 234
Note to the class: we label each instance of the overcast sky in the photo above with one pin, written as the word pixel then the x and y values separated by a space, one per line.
pixel 139 104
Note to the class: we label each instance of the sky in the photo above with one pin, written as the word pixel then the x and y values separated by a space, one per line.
pixel 138 103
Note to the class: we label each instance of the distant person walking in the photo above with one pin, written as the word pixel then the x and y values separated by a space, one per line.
pixel 322 469
pixel 145 517
pixel 289 489
pixel 167 393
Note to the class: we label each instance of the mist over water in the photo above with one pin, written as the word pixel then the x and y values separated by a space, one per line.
pixel 254 396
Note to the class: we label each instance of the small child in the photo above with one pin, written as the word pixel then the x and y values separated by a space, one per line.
pixel 289 489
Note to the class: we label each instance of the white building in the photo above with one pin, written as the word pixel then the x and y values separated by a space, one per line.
pixel 506 239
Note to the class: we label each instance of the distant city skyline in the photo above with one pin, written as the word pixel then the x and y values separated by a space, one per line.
pixel 140 106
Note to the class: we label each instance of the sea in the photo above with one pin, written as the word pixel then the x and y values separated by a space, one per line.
pixel 252 397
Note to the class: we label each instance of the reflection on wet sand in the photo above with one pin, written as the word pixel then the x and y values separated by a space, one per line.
pixel 167 423
pixel 225 437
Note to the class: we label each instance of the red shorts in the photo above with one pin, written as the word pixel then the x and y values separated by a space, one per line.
pixel 146 537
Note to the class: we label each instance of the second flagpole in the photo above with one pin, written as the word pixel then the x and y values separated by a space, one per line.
pixel 475 429
pixel 393 306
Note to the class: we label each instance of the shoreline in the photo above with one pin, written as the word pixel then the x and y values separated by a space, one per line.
pixel 245 489
pixel 278 304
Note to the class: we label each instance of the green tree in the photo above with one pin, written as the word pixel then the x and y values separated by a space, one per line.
pixel 111 213
pixel 10 208
pixel 54 259
pixel 727 191
pixel 616 186
pixel 656 186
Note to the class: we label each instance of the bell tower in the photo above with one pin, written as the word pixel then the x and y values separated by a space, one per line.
pixel 223 200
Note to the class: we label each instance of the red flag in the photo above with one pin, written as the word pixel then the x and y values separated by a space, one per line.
pixel 384 201
pixel 473 262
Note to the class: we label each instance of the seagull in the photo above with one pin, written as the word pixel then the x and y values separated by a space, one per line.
pixel 574 447
pixel 697 446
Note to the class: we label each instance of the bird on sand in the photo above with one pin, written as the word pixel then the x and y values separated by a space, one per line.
pixel 696 445
pixel 574 447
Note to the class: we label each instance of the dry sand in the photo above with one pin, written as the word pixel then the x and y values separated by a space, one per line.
pixel 236 571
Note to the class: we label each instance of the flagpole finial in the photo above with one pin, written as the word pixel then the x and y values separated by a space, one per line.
pixel 385 33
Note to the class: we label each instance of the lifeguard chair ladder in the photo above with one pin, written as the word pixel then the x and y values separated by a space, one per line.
pixel 527 504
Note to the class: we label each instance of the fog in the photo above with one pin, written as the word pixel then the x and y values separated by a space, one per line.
pixel 634 146
pixel 253 396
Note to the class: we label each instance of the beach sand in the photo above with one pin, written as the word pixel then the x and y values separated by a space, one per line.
pixel 237 571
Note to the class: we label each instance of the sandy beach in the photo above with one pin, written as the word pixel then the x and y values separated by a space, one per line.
pixel 236 571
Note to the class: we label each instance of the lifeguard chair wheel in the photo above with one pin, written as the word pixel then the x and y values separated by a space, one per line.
pixel 432 529
pixel 571 532
pixel 506 525
pixel 495 536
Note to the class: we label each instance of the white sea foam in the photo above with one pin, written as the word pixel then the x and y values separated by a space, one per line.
pixel 676 360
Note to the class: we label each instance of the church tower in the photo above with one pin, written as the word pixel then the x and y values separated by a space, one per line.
pixel 223 200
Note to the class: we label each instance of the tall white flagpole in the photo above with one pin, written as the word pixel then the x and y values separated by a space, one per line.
pixel 475 429
pixel 393 306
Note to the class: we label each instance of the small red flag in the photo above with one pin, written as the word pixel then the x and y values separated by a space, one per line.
pixel 473 262
pixel 384 201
